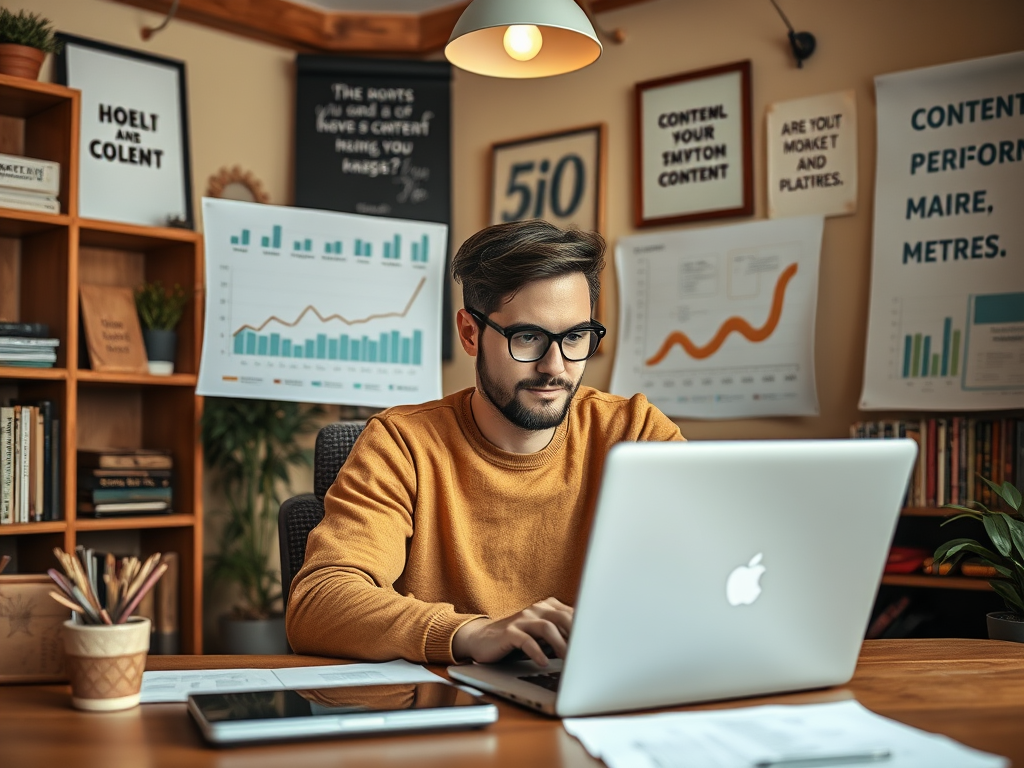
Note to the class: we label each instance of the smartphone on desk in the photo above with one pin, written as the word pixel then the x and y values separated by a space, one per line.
pixel 264 716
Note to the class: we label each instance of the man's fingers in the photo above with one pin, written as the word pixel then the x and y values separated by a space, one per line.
pixel 528 645
pixel 548 632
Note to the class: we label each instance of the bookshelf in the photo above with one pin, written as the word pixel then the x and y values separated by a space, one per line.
pixel 954 605
pixel 43 260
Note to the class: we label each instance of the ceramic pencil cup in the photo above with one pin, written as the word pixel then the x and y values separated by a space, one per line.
pixel 105 663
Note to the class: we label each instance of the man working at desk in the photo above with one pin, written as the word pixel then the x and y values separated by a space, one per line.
pixel 456 529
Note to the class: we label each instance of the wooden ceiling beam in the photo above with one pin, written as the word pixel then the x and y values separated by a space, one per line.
pixel 308 29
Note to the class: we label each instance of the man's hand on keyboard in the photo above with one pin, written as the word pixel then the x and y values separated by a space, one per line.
pixel 489 640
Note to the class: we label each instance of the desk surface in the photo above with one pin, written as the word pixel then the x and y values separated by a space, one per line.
pixel 971 690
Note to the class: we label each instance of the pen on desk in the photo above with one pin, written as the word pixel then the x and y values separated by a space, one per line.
pixel 809 761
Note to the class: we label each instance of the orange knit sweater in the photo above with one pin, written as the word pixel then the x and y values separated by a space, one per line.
pixel 429 526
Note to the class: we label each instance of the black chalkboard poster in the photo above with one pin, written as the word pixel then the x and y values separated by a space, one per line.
pixel 373 136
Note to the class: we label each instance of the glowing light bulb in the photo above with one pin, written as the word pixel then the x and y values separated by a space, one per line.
pixel 522 41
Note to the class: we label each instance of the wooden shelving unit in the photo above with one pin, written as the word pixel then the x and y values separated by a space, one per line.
pixel 43 260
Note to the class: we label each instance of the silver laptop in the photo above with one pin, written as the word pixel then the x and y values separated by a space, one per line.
pixel 720 569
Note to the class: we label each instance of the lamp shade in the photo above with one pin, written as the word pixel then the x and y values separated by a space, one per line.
pixel 478 41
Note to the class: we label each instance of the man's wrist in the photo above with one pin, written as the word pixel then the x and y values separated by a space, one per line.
pixel 463 638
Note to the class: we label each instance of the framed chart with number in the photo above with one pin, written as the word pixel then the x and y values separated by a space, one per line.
pixel 558 177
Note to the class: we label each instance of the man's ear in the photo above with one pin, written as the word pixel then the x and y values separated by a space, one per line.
pixel 469 332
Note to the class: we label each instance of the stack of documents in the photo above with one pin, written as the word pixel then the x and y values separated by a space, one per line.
pixel 177 685
pixel 835 734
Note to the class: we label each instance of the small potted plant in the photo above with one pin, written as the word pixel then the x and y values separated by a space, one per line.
pixel 25 39
pixel 251 445
pixel 160 312
pixel 1005 530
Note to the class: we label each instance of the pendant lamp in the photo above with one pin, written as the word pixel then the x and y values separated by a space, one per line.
pixel 523 38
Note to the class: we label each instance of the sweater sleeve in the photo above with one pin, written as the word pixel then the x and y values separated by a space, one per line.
pixel 653 424
pixel 343 602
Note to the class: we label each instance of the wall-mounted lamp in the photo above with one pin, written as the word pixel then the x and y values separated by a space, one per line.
pixel 802 43
pixel 523 38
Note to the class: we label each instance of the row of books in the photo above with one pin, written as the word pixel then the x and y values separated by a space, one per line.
pixel 115 482
pixel 29 184
pixel 29 463
pixel 952 453
pixel 160 605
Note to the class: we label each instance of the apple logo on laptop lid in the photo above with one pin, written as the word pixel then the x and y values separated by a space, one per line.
pixel 743 586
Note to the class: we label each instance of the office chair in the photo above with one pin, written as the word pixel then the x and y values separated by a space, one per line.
pixel 300 514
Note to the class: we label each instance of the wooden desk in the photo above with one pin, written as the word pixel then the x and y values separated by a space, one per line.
pixel 971 690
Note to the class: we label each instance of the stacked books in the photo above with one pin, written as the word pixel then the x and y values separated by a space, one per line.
pixel 952 452
pixel 27 344
pixel 29 463
pixel 29 184
pixel 124 482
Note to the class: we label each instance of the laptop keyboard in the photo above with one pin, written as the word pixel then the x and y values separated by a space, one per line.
pixel 547 680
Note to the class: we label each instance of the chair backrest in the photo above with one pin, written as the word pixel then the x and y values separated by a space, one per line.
pixel 301 514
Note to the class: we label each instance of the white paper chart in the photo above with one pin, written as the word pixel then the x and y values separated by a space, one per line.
pixel 946 323
pixel 321 307
pixel 718 323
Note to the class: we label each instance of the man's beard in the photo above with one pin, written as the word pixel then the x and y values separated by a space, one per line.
pixel 513 408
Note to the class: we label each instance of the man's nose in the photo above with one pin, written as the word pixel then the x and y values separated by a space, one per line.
pixel 552 362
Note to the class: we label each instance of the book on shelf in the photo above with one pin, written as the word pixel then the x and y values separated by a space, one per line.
pixel 124 458
pixel 29 174
pixel 18 350
pixel 24 330
pixel 117 508
pixel 28 201
pixel 108 495
pixel 166 636
pixel 29 462
pixel 953 452
pixel 91 479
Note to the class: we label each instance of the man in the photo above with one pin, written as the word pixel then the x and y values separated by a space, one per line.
pixel 456 530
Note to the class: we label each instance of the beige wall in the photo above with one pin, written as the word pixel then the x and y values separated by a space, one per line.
pixel 241 100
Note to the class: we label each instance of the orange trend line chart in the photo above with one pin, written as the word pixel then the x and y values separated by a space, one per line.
pixel 718 323
pixel 323 307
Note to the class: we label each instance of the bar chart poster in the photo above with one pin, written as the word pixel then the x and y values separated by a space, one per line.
pixel 718 323
pixel 946 322
pixel 321 307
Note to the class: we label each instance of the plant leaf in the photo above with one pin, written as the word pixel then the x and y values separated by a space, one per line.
pixel 970 514
pixel 1006 492
pixel 959 546
pixel 1016 528
pixel 999 532
pixel 1006 591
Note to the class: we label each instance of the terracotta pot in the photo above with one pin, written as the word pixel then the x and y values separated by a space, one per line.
pixel 1005 626
pixel 20 60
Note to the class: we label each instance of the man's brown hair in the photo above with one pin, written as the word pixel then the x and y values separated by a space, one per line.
pixel 496 262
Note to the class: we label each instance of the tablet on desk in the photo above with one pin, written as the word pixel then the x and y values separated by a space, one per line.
pixel 229 718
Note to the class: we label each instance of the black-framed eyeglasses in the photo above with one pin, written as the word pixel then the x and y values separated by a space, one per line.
pixel 529 343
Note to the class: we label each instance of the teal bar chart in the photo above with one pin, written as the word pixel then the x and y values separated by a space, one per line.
pixel 319 306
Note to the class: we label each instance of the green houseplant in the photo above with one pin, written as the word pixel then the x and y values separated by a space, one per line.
pixel 251 445
pixel 160 310
pixel 1005 530
pixel 25 39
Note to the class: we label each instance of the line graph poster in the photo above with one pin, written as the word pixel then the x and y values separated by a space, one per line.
pixel 718 323
pixel 946 323
pixel 321 307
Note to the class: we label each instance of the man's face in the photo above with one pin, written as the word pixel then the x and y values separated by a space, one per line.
pixel 535 396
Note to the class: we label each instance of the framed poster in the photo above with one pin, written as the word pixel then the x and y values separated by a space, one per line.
pixel 694 151
pixel 558 177
pixel 134 162
pixel 31 643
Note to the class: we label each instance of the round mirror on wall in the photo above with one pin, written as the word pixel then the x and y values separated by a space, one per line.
pixel 235 184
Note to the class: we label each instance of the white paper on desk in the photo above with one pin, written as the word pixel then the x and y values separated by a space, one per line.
pixel 173 686
pixel 739 738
